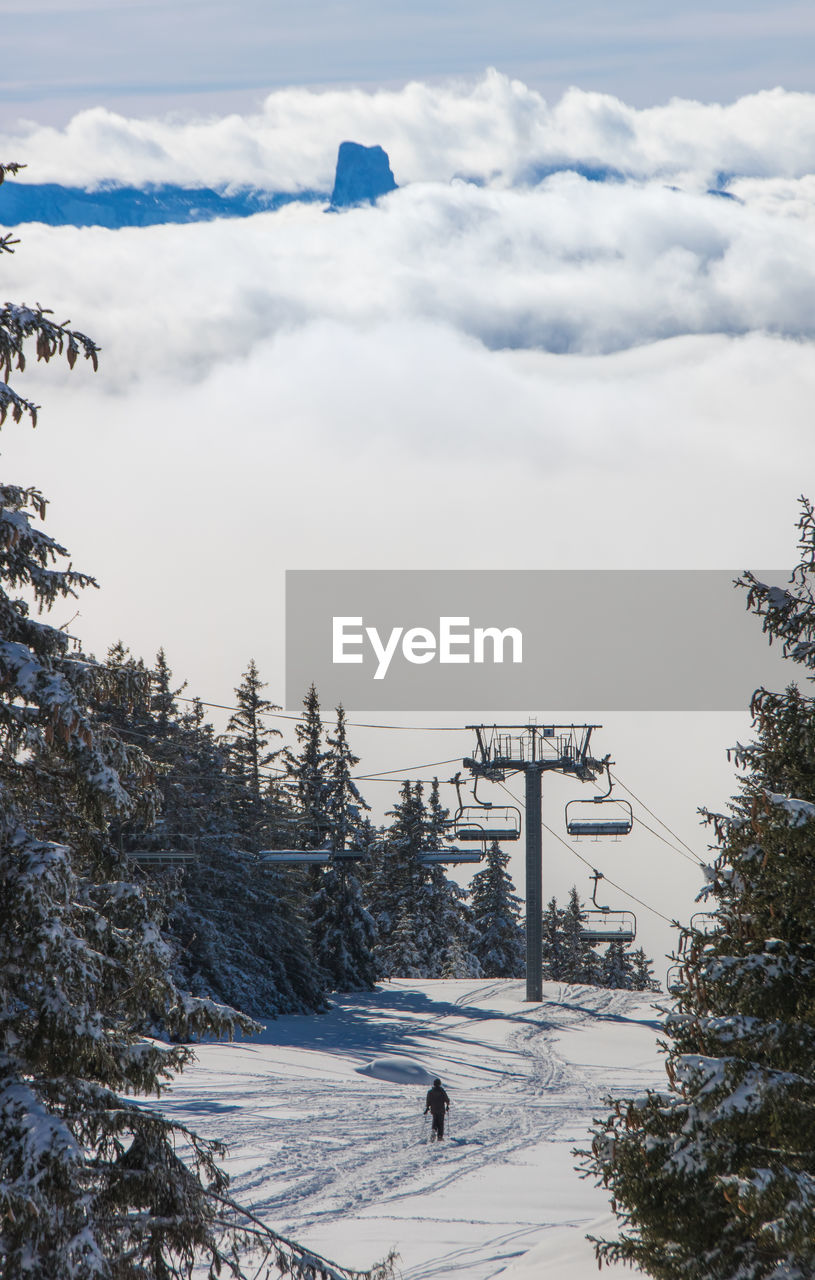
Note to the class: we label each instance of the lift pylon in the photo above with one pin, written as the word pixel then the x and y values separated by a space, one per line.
pixel 534 749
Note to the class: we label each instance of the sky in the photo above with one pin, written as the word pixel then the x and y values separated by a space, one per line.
pixel 503 365
pixel 224 55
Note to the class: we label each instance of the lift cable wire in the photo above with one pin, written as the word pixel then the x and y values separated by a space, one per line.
pixel 408 769
pixel 696 862
pixel 351 724
pixel 585 861
pixel 656 818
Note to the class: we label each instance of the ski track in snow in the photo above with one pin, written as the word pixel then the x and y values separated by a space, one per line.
pixel 342 1162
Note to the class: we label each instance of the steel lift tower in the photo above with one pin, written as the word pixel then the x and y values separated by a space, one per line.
pixel 533 750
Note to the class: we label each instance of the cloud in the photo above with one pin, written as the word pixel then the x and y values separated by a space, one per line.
pixel 568 267
pixel 568 373
pixel 494 128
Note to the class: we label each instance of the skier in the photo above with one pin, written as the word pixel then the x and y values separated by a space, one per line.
pixel 437 1104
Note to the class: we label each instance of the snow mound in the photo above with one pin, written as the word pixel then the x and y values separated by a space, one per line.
pixel 397 1071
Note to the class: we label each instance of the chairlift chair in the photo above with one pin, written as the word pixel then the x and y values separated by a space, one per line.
pixel 477 822
pixel 294 857
pixel 600 816
pixel 704 922
pixel 437 857
pixel 162 857
pixel 587 817
pixel 484 821
pixel 673 976
pixel 605 925
pixel 312 857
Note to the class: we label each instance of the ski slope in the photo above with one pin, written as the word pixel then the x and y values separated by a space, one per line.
pixel 340 1160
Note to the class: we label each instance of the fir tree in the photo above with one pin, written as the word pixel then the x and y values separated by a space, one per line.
pixel 552 949
pixel 397 885
pixel 446 937
pixel 249 756
pixel 308 779
pixel 642 972
pixel 714 1177
pixel 615 968
pixel 580 961
pixel 399 956
pixel 344 803
pixel 92 1185
pixel 496 917
pixel 343 930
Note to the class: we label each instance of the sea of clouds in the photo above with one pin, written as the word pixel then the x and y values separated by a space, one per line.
pixel 505 362
pixel 495 129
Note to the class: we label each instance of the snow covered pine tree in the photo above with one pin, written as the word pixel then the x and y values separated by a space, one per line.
pixel 714 1179
pixel 343 930
pixel 496 908
pixel 92 1184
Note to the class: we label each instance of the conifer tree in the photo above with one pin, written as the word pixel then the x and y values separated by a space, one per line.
pixel 396 889
pixel 713 1178
pixel 496 917
pixel 580 961
pixel 615 968
pixel 308 779
pixel 642 972
pixel 446 936
pixel 552 949
pixel 343 929
pixel 93 1185
pixel 345 806
pixel 249 756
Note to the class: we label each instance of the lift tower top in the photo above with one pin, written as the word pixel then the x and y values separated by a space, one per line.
pixel 533 749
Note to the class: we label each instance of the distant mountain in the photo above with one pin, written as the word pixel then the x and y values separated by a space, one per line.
pixel 117 206
pixel 363 175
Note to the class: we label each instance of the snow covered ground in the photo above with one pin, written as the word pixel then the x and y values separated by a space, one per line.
pixel 340 1160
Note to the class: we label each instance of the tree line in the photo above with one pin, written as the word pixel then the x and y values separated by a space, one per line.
pixel 270 938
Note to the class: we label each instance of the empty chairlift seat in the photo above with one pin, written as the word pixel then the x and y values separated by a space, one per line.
pixel 486 823
pixel 162 857
pixel 609 926
pixel 600 817
pixel 452 857
pixel 307 857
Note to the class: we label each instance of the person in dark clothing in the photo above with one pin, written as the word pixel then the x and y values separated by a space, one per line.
pixel 437 1104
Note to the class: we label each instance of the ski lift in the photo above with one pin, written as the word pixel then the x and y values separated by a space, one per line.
pixel 704 922
pixel 295 857
pixel 162 857
pixel 605 925
pixel 436 857
pixel 308 857
pixel 673 977
pixel 484 821
pixel 600 816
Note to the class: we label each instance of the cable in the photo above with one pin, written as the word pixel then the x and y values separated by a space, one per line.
pixel 618 887
pixel 352 724
pixel 588 864
pixel 697 862
pixel 401 773
pixel 656 818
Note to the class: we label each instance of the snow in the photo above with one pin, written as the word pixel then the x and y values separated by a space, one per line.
pixel 328 1146
pixel 397 1071
pixel 800 811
